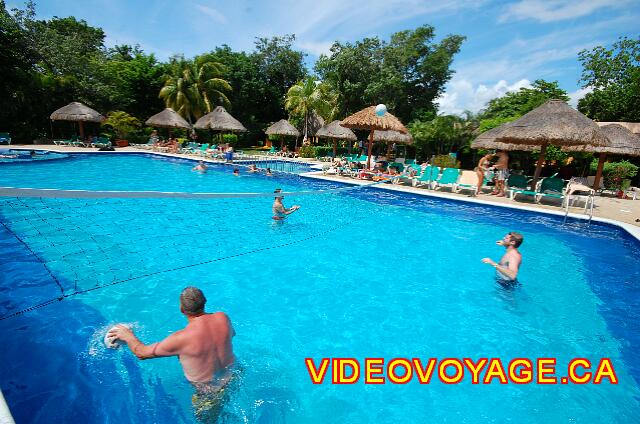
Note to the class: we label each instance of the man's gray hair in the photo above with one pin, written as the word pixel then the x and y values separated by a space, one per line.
pixel 192 301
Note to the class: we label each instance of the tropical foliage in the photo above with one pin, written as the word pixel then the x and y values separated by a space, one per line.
pixel 407 73
pixel 194 87
pixel 614 76
pixel 121 123
pixel 309 96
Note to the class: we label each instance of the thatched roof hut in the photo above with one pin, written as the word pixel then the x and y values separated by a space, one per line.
pixel 554 122
pixel 336 131
pixel 392 137
pixel 220 120
pixel 634 127
pixel 168 118
pixel 367 119
pixel 487 140
pixel 623 142
pixel 282 127
pixel 78 112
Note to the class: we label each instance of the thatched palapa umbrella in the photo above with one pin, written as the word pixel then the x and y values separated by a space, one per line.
pixel 282 128
pixel 368 119
pixel 623 142
pixel 220 120
pixel 554 122
pixel 486 141
pixel 168 118
pixel 336 132
pixel 77 112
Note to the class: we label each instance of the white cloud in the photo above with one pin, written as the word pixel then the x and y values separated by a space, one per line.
pixel 316 48
pixel 461 95
pixel 577 95
pixel 555 10
pixel 212 13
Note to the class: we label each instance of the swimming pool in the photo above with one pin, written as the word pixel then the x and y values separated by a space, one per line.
pixel 386 275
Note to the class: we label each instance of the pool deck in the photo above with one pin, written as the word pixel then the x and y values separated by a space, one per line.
pixel 622 212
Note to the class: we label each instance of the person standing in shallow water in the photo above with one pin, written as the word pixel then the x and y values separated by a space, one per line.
pixel 278 209
pixel 203 347
pixel 509 265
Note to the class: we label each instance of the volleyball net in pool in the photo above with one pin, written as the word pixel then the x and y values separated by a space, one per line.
pixel 89 240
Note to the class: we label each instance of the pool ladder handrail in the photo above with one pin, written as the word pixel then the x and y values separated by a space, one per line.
pixel 588 205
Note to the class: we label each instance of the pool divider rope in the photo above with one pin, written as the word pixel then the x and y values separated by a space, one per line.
pixel 86 194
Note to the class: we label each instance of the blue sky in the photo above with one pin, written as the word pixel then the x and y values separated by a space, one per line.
pixel 509 43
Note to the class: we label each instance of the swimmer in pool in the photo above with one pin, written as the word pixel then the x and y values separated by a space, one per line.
pixel 268 172
pixel 236 172
pixel 200 167
pixel 278 209
pixel 508 267
pixel 203 347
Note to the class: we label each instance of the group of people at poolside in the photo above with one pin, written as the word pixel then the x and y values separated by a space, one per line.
pixel 498 171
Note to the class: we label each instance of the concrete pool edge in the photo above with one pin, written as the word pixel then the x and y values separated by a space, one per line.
pixel 5 413
pixel 632 230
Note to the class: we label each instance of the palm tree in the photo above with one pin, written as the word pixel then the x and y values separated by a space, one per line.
pixel 311 95
pixel 194 88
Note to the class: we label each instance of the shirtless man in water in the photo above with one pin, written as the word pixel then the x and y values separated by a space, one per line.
pixel 278 209
pixel 203 347
pixel 508 267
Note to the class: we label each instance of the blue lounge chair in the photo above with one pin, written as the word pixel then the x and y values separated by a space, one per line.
pixel 518 184
pixel 5 138
pixel 429 175
pixel 448 178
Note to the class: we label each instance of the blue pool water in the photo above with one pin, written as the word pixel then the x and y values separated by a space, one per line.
pixel 8 156
pixel 364 273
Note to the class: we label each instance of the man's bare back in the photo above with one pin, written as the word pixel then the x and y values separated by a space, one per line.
pixel 203 347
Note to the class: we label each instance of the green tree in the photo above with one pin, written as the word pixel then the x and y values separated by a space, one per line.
pixel 194 87
pixel 121 123
pixel 441 134
pixel 614 75
pixel 407 73
pixel 308 96
pixel 515 104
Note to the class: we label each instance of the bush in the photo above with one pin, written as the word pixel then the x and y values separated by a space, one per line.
pixel 615 173
pixel 231 139
pixel 307 152
pixel 446 161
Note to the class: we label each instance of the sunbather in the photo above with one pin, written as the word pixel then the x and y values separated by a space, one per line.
pixel 483 167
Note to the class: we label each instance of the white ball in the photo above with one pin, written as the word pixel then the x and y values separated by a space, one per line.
pixel 381 110
pixel 113 343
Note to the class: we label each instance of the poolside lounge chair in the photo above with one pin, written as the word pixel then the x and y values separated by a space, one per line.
pixel 272 150
pixel 5 138
pixel 101 142
pixel 550 187
pixel 429 175
pixel 516 183
pixel 468 181
pixel 592 179
pixel 66 142
pixel 448 178
pixel 203 149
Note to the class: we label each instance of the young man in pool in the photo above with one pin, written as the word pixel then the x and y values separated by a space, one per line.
pixel 278 209
pixel 507 269
pixel 203 347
